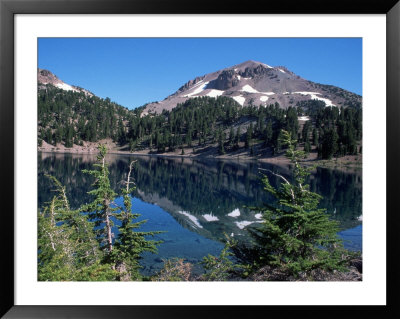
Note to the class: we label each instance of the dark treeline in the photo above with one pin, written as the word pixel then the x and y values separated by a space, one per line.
pixel 198 123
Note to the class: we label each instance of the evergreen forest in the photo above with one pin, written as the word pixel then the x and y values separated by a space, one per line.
pixel 200 123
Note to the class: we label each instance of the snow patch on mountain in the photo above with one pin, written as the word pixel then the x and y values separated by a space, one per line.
pixel 315 97
pixel 199 87
pixel 65 87
pixel 327 101
pixel 215 93
pixel 263 98
pixel 240 99
pixel 268 66
pixel 248 88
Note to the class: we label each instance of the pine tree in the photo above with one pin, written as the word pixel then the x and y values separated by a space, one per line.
pixel 221 139
pixel 189 139
pixel 295 236
pixel 48 136
pixel 231 137
pixel 260 124
pixel 130 244
pixel 67 247
pixel 58 135
pixel 307 148
pixel 69 136
pixel 268 133
pixel 80 244
pixel 220 268
pixel 306 131
pixel 329 144
pixel 249 135
pixel 102 208
pixel 237 138
pixel 292 122
pixel 315 137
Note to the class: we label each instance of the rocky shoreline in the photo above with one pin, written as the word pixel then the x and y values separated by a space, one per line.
pixel 342 163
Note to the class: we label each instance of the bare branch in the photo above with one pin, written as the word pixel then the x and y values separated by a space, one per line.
pixel 129 176
pixel 51 239
pixel 275 174
pixel 280 176
pixel 52 207
pixel 64 197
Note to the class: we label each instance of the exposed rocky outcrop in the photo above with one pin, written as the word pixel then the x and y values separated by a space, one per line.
pixel 226 80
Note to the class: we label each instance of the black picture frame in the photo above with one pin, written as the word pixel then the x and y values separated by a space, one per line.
pixel 8 8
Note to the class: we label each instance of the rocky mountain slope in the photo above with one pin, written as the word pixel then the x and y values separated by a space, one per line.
pixel 46 77
pixel 256 83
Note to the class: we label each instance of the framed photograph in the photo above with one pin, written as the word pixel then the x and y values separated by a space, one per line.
pixel 178 104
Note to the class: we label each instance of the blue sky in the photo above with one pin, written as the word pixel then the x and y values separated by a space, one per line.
pixel 135 71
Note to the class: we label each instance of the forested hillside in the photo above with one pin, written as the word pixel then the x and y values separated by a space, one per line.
pixel 203 123
pixel 73 117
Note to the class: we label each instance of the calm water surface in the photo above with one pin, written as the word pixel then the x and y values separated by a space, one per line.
pixel 196 202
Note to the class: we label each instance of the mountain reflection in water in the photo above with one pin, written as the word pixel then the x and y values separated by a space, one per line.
pixel 197 201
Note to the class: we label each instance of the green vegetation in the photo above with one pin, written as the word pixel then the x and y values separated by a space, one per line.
pixel 73 118
pixel 335 131
pixel 175 269
pixel 296 236
pixel 101 241
pixel 67 249
pixel 295 239
pixel 81 244
pixel 222 267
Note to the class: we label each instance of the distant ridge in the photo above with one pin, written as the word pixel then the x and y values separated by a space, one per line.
pixel 256 83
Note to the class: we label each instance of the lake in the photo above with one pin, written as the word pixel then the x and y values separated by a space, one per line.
pixel 197 201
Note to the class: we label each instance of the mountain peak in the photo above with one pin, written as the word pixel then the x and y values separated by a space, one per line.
pixel 251 64
pixel 45 77
pixel 256 83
